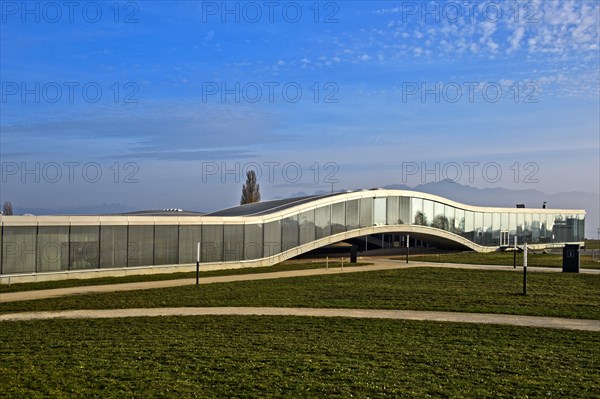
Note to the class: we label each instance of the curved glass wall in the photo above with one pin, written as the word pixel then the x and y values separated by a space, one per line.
pixel 35 249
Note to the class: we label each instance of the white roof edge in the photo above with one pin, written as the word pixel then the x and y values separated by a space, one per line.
pixel 53 220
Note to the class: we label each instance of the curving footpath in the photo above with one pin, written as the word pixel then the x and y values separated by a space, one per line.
pixel 456 317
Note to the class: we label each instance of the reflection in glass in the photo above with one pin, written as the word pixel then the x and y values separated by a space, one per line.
pixel 211 249
pixel 393 211
pixel 535 228
pixel 439 220
pixel 84 247
pixel 53 248
pixel 487 228
pixel 405 212
pixel 379 211
pixel 18 249
pixel 140 245
pixel 527 228
pixel 459 221
pixel 323 221
pixel 233 242
pixel 189 237
pixel 366 212
pixel 496 228
pixel 338 218
pixel 289 232
pixel 450 213
pixel 272 232
pixel 479 230
pixel 428 212
pixel 352 214
pixel 469 226
pixel 166 245
pixel 113 246
pixel 307 227
pixel 418 216
pixel 253 241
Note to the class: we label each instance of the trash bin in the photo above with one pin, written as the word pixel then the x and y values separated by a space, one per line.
pixel 571 258
pixel 353 254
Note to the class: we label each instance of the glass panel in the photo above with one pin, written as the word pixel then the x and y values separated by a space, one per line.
pixel 478 222
pixel 352 215
pixel 323 221
pixel 338 218
pixel 496 228
pixel 581 228
pixel 289 233
pixel 439 219
pixel 550 226
pixel 233 244
pixel 166 245
pixel 459 221
pixel 487 228
pixel 469 233
pixel 113 246
pixel 520 226
pixel 140 246
pixel 366 212
pixel 307 226
pixel 380 211
pixel 272 238
pixel 418 217
pixel 53 248
pixel 504 225
pixel 85 247
pixel 253 241
pixel 18 249
pixel 393 210
pixel 405 213
pixel 535 228
pixel 527 227
pixel 428 212
pixel 211 249
pixel 450 214
pixel 189 237
pixel 512 227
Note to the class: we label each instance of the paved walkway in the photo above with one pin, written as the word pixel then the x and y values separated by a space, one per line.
pixel 479 318
pixel 377 264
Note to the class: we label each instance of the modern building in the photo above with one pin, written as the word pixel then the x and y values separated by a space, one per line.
pixel 261 234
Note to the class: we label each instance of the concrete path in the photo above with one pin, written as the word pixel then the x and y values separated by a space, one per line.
pixel 456 317
pixel 377 264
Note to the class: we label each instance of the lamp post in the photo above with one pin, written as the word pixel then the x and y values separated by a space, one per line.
pixel 198 265
pixel 407 246
pixel 525 269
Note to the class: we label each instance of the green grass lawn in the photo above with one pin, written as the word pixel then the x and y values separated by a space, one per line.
pixel 550 294
pixel 293 357
pixel 284 266
pixel 592 244
pixel 503 258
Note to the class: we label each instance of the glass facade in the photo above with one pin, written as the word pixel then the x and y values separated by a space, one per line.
pixel 44 248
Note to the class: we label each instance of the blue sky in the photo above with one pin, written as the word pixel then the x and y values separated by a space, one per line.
pixel 384 86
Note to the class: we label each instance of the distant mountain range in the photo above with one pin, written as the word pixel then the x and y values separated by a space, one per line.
pixel 500 197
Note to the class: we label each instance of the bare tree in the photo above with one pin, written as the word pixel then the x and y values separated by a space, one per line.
pixel 7 208
pixel 250 190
